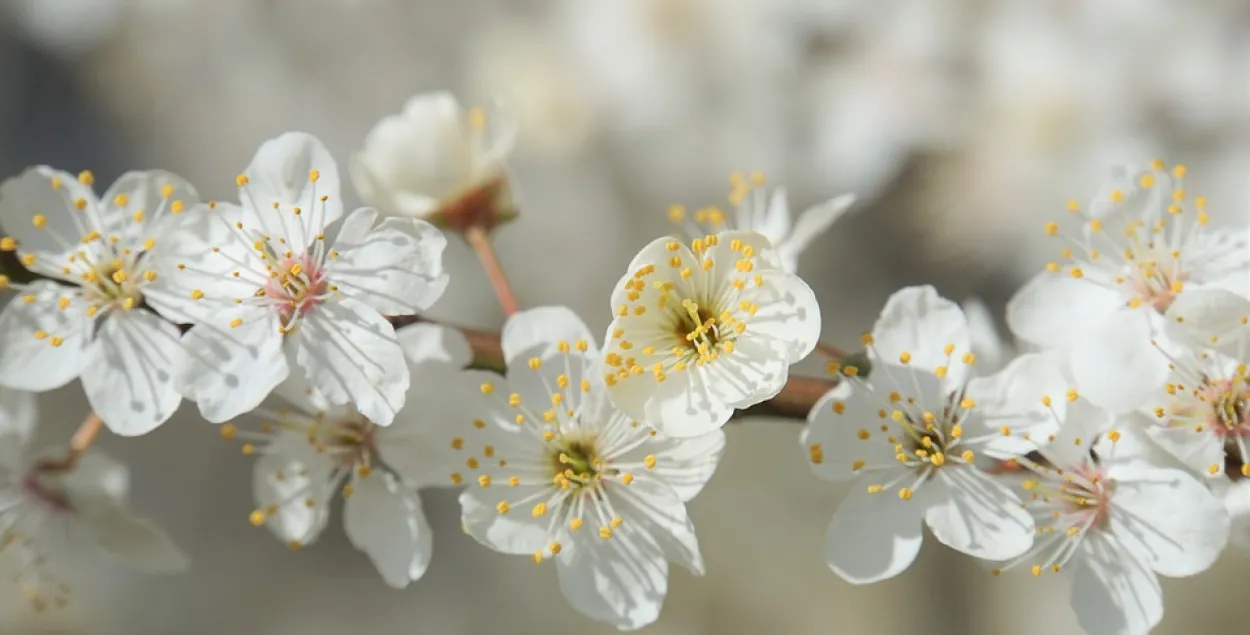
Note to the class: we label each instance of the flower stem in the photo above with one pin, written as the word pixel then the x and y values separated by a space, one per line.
pixel 84 437
pixel 480 241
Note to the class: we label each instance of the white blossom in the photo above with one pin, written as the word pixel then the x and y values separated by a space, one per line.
pixel 914 438
pixel 311 450
pixel 767 212
pixel 705 329
pixel 555 472
pixel 1114 520
pixel 270 295
pixel 432 154
pixel 56 521
pixel 1143 243
pixel 94 319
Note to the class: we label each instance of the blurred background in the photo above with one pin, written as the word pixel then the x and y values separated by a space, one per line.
pixel 961 125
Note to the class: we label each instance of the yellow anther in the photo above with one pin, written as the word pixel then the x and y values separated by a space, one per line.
pixel 904 494
pixel 487 388
pixel 904 358
pixel 86 177
pixel 503 507
pixel 649 461
pixel 196 294
pixel 257 518
pixel 1052 229
pixel 241 180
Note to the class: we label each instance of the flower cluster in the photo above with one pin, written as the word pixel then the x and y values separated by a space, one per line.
pixel 294 326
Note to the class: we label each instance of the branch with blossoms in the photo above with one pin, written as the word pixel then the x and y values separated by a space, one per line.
pixel 1112 452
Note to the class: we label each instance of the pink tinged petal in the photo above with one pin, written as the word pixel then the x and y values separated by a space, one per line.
pixel 27 331
pixel 811 223
pixel 19 413
pixel 537 333
pixel 32 194
pixel 621 581
pixel 1167 518
pixel 130 378
pixel 788 313
pixel 917 325
pixel 280 173
pixel 1116 366
pixel 685 465
pixel 396 268
pixel 194 261
pixel 516 530
pixel 351 355
pixel 385 520
pixel 1054 310
pixel 137 542
pixel 978 515
pixel 1112 591
pixel 292 486
pixel 844 436
pixel 1017 398
pixel 874 537
pixel 433 343
pixel 229 371
pixel 139 205
pixel 1209 318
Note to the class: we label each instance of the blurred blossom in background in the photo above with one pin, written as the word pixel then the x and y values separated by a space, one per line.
pixel 961 126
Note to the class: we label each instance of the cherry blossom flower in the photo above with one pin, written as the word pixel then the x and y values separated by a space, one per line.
pixel 705 329
pixel 1145 241
pixel 95 317
pixel 555 472
pixel 757 209
pixel 1114 520
pixel 54 521
pixel 433 154
pixel 915 439
pixel 268 292
pixel 311 449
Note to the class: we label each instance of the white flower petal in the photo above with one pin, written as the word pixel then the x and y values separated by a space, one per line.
pixel 537 332
pixel 919 322
pixel 396 268
pixel 97 481
pixel 837 445
pixel 621 581
pixel 43 191
pixel 1112 592
pixel 1013 397
pixel 138 205
pixel 350 353
pixel 280 174
pixel 285 479
pixel 978 515
pixel 987 344
pixel 386 522
pixel 440 405
pixel 1196 451
pixel 1117 366
pixel 687 404
pixel 27 329
pixel 138 542
pixel 1198 315
pixel 1056 311
pixel 1083 425
pixel 649 506
pixel 130 378
pixel 229 371
pixel 874 537
pixel 424 342
pixel 811 223
pixel 684 464
pixel 1167 518
pixel 516 531
pixel 196 256
pixel 788 313
pixel 1124 180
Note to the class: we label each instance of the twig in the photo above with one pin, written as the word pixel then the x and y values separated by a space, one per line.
pixel 84 437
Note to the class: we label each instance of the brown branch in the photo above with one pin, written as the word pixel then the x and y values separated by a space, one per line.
pixel 793 402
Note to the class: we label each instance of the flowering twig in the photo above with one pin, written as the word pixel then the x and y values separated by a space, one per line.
pixel 479 239
pixel 794 401
pixel 84 437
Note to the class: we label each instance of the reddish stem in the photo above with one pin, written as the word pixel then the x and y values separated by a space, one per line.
pixel 480 241
pixel 833 352
pixel 84 437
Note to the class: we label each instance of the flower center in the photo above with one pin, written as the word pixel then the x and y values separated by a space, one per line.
pixel 1086 493
pixel 296 285
pixel 350 442
pixel 112 285
pixel 574 461
pixel 697 328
